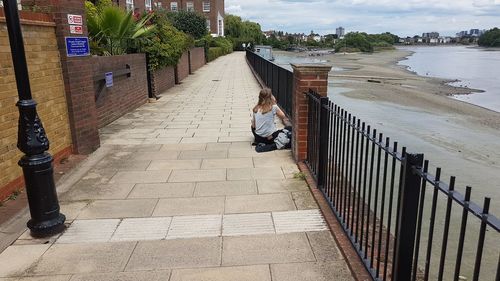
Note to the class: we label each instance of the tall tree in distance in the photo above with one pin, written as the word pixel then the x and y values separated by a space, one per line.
pixel 490 38
pixel 242 32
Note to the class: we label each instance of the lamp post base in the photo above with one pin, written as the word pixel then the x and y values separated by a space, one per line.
pixel 46 220
pixel 47 228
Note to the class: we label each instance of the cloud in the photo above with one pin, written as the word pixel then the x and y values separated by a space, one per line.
pixel 403 17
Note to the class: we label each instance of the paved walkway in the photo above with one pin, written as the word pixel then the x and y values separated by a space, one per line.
pixel 177 192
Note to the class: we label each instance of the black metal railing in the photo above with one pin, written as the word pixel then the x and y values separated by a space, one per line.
pixel 278 79
pixel 380 195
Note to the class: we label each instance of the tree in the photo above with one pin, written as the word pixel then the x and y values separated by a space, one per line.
pixel 242 32
pixel 190 23
pixel 490 38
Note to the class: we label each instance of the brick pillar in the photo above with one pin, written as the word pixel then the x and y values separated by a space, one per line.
pixel 305 77
pixel 78 81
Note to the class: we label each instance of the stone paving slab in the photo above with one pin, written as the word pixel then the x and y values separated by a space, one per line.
pixel 239 273
pixel 142 229
pixel 165 165
pixel 225 188
pixel 39 278
pixel 83 258
pixel 313 271
pixel 180 253
pixel 265 249
pixel 189 206
pixel 198 175
pixel 162 190
pixel 227 163
pixel 19 259
pixel 258 203
pixel 254 173
pixel 135 208
pixel 160 275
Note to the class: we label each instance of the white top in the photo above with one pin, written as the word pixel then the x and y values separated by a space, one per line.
pixel 264 123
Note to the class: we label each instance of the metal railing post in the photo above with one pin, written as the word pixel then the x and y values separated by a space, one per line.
pixel 323 141
pixel 406 232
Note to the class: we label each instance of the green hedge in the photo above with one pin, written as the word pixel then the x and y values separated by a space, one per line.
pixel 214 52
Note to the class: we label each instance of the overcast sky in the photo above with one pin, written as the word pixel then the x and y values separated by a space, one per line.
pixel 402 17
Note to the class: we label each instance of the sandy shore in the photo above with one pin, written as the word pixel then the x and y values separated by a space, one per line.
pixel 401 86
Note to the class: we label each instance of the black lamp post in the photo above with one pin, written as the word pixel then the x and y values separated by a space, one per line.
pixel 32 140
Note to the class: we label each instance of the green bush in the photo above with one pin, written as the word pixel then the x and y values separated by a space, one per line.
pixel 223 43
pixel 165 45
pixel 190 23
pixel 215 52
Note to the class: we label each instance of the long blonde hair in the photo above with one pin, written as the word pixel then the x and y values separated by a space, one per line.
pixel 266 101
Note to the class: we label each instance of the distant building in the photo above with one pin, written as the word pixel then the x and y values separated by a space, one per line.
pixel 463 34
pixel 476 32
pixel 213 10
pixel 340 31
pixel 430 35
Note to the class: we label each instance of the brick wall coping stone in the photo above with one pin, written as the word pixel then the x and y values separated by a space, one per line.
pixel 311 67
pixel 32 18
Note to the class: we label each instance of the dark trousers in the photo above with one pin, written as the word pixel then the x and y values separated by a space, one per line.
pixel 270 140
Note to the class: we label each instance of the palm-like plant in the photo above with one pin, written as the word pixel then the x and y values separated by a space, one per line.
pixel 112 30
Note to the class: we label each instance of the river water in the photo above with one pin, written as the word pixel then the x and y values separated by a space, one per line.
pixel 474 68
pixel 448 141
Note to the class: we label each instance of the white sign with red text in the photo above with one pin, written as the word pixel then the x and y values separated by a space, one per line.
pixel 75 19
pixel 76 29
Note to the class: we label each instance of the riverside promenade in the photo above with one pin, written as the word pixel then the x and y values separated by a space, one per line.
pixel 177 192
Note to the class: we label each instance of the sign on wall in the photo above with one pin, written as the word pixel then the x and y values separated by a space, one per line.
pixel 76 29
pixel 75 19
pixel 77 46
pixel 109 79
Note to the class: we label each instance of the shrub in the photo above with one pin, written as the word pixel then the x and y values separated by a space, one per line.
pixel 165 45
pixel 190 23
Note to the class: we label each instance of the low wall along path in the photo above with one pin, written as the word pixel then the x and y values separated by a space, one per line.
pixel 177 190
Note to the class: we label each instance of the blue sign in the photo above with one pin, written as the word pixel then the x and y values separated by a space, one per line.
pixel 77 46
pixel 109 79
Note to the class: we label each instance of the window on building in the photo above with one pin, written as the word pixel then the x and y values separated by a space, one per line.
pixel 190 6
pixel 158 5
pixel 208 25
pixel 173 7
pixel 129 5
pixel 206 6
pixel 220 28
pixel 148 5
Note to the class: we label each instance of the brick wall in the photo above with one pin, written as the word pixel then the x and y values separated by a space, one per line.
pixel 305 77
pixel 182 69
pixel 127 93
pixel 77 72
pixel 197 60
pixel 163 79
pixel 48 90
